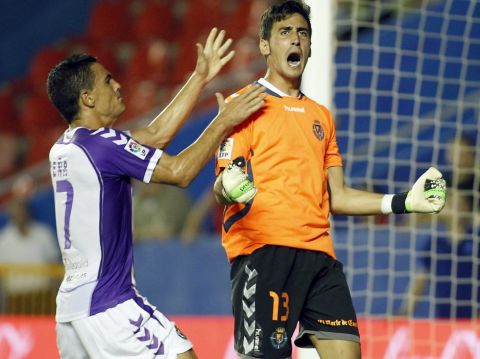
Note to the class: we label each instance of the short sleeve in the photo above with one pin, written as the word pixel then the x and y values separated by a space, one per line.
pixel 117 154
pixel 332 153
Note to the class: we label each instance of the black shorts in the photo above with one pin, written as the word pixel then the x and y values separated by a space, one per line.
pixel 276 287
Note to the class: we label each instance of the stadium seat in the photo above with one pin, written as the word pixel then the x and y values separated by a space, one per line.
pixel 42 63
pixel 150 61
pixel 39 144
pixel 38 114
pixel 8 114
pixel 110 21
pixel 201 15
pixel 155 20
pixel 238 19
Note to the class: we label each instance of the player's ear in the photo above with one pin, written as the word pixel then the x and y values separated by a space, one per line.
pixel 87 99
pixel 264 47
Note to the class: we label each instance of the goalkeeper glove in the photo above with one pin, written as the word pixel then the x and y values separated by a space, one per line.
pixel 427 195
pixel 237 186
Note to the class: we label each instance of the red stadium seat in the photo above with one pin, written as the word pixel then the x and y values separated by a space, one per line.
pixel 155 20
pixel 42 63
pixel 8 114
pixel 38 114
pixel 150 61
pixel 39 144
pixel 110 21
pixel 201 15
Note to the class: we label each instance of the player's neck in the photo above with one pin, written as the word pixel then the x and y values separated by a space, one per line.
pixel 91 121
pixel 289 86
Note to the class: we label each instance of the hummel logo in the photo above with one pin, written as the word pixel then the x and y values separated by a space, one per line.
pixel 293 109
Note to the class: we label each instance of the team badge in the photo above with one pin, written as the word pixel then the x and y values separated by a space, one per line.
pixel 225 150
pixel 136 149
pixel 279 338
pixel 318 130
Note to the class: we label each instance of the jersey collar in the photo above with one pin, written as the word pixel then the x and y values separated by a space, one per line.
pixel 273 90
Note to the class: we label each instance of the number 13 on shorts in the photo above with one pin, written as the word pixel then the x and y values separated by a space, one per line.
pixel 279 306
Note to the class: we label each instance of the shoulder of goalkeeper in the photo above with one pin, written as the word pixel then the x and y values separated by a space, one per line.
pixel 238 93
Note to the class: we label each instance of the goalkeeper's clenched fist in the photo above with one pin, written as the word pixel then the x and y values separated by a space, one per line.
pixel 427 195
pixel 237 186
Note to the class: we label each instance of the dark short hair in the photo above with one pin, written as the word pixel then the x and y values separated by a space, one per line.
pixel 280 12
pixel 67 80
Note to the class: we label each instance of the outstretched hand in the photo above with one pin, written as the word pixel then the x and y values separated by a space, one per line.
pixel 212 56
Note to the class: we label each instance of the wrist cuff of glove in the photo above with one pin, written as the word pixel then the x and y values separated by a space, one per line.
pixel 394 203
pixel 399 203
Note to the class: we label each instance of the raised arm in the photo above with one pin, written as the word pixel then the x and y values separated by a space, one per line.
pixel 211 58
pixel 427 195
pixel 180 170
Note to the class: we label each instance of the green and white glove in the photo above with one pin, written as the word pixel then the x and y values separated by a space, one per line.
pixel 428 195
pixel 237 186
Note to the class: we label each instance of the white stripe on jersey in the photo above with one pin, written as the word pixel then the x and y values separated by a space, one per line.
pixel 82 259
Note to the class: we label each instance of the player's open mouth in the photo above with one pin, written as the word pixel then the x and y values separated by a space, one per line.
pixel 293 60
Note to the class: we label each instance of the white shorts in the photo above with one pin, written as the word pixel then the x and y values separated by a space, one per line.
pixel 132 329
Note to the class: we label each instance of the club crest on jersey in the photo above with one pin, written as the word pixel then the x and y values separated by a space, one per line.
pixel 318 130
pixel 136 149
pixel 279 338
pixel 225 149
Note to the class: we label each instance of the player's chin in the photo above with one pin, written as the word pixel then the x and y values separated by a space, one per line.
pixel 118 112
pixel 295 71
pixel 121 108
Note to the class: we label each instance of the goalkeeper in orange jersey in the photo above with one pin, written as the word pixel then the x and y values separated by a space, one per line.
pixel 280 175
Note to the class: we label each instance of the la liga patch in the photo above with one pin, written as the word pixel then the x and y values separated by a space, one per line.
pixel 136 149
pixel 225 150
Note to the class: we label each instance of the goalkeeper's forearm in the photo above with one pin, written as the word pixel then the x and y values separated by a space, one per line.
pixel 427 195
pixel 354 202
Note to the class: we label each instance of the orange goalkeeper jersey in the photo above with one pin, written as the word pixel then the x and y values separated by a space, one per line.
pixel 288 145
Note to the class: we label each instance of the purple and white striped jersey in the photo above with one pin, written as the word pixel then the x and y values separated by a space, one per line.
pixel 91 172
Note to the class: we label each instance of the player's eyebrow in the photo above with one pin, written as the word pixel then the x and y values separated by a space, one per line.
pixel 289 27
